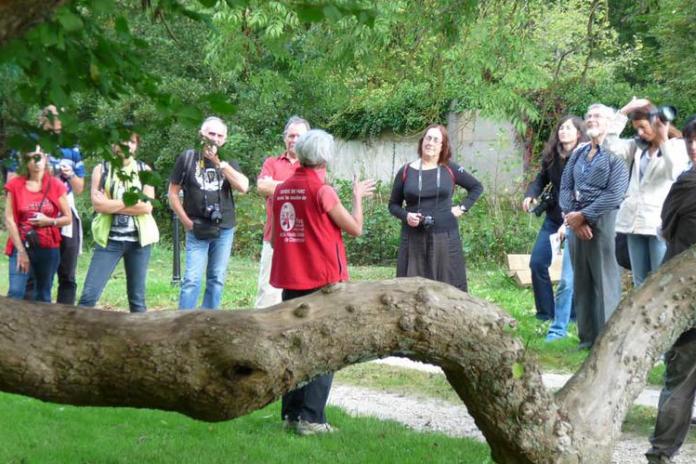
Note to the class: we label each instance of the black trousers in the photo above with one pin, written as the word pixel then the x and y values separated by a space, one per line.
pixel 307 402
pixel 676 399
pixel 69 250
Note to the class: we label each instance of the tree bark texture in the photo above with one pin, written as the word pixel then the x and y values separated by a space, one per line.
pixel 218 365
pixel 18 16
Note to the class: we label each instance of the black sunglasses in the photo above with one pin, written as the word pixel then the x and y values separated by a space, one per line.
pixel 36 158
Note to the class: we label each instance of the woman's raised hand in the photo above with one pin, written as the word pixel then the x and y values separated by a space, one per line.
pixel 363 188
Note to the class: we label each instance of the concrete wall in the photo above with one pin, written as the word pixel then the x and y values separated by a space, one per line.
pixel 487 149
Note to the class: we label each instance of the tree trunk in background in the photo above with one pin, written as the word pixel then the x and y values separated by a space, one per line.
pixel 218 365
pixel 18 16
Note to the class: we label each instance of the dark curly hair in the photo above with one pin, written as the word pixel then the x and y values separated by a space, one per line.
pixel 445 152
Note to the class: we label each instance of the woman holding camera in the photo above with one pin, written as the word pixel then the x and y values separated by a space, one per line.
pixel 430 244
pixel 120 230
pixel 655 157
pixel 565 137
pixel 36 207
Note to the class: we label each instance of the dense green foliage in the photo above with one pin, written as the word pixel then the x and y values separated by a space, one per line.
pixel 357 68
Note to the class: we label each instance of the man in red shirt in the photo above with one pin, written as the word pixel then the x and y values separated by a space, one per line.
pixel 275 171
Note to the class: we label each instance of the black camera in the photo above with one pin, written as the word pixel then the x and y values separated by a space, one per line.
pixel 31 240
pixel 665 113
pixel 427 222
pixel 544 201
pixel 213 213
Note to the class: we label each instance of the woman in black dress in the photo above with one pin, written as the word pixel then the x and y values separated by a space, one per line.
pixel 430 244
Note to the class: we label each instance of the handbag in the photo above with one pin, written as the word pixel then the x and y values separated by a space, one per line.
pixel 205 230
pixel 31 239
pixel 621 251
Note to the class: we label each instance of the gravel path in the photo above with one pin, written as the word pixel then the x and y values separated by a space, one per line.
pixel 433 415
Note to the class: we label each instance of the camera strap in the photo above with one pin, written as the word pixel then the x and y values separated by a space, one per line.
pixel 48 184
pixel 420 184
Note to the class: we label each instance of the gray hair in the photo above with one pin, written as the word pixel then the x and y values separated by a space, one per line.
pixel 210 119
pixel 295 119
pixel 607 111
pixel 315 148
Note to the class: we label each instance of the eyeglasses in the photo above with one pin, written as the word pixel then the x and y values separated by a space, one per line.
pixel 589 116
pixel 215 134
pixel 431 139
pixel 35 158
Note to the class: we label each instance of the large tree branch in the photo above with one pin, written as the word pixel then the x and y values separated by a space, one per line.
pixel 18 16
pixel 216 365
pixel 645 325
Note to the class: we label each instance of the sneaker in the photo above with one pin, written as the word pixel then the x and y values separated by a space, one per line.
pixel 289 425
pixel 305 428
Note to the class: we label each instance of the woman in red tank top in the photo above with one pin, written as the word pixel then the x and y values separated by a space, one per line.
pixel 308 218
pixel 36 207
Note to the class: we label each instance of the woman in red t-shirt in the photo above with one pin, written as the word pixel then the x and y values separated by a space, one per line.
pixel 308 218
pixel 36 207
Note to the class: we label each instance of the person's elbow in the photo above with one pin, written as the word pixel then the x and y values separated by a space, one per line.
pixel 354 230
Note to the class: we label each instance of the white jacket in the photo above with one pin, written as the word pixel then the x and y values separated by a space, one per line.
pixel 640 211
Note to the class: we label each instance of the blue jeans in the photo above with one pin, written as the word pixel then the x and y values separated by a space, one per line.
pixel 564 295
pixel 209 257
pixel 43 265
pixel 646 253
pixel 104 261
pixel 539 264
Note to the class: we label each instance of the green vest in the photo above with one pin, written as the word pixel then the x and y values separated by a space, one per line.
pixel 148 233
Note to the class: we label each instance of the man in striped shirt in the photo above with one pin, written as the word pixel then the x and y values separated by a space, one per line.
pixel 592 188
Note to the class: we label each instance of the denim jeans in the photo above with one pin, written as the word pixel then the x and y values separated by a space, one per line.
pixel 43 267
pixel 209 258
pixel 104 261
pixel 646 253
pixel 539 264
pixel 564 295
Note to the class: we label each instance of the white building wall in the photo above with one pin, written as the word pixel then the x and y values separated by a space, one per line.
pixel 488 149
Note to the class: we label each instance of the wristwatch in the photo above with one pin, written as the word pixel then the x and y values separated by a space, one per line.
pixel 223 165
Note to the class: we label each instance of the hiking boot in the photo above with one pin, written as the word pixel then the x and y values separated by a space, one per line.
pixel 658 459
pixel 305 428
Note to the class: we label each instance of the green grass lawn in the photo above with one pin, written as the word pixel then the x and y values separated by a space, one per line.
pixel 36 432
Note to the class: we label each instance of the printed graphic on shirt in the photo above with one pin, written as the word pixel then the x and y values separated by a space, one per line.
pixel 208 179
pixel 292 227
pixel 287 217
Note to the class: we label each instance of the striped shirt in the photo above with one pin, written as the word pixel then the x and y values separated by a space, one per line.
pixel 593 187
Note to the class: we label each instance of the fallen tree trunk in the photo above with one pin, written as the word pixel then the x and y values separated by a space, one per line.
pixel 217 365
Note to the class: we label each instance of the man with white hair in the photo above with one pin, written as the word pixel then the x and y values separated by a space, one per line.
pixel 207 213
pixel 274 171
pixel 592 188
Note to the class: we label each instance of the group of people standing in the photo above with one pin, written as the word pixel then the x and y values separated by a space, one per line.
pixel 45 230
pixel 642 187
